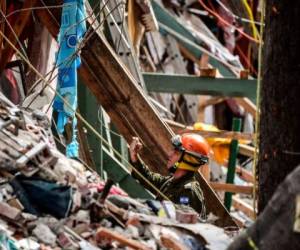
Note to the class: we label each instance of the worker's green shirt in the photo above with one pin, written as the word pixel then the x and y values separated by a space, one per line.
pixel 183 190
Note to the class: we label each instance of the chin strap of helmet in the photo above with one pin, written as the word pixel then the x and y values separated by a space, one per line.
pixel 191 162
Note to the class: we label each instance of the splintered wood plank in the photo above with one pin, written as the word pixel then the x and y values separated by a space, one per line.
pixel 247 104
pixel 106 234
pixel 18 28
pixel 228 187
pixel 241 205
pixel 246 150
pixel 180 128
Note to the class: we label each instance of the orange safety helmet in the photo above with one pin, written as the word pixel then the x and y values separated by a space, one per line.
pixel 193 145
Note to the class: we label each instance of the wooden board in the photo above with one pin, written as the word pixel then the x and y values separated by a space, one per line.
pixel 228 187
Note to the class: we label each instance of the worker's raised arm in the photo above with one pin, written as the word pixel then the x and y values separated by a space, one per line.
pixel 141 169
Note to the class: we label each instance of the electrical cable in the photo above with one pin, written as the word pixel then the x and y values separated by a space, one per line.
pixel 55 64
pixel 236 16
pixel 71 57
pixel 35 8
pixel 227 23
pixel 258 95
pixel 246 59
pixel 250 14
pixel 14 33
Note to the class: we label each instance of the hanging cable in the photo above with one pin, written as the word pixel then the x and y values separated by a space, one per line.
pixel 72 57
pixel 14 33
pixel 250 14
pixel 246 59
pixel 258 95
pixel 35 8
pixel 227 23
pixel 242 19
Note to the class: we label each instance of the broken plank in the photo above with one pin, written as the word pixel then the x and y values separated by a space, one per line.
pixel 246 150
pixel 171 243
pixel 180 128
pixel 247 104
pixel 244 174
pixel 214 204
pixel 211 101
pixel 228 187
pixel 244 207
pixel 106 234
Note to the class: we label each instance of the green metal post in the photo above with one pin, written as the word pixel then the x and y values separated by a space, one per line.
pixel 236 126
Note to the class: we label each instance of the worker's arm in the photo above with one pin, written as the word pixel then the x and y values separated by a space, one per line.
pixel 141 170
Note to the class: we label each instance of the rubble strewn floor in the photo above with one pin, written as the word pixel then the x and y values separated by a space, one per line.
pixel 50 202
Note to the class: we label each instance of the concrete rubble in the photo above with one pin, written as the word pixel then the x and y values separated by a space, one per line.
pixel 50 202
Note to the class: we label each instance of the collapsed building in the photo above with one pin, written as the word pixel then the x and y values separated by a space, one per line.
pixel 149 69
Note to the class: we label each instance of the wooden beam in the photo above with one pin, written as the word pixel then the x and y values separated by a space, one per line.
pixel 214 204
pixel 244 174
pixel 170 242
pixel 241 205
pixel 106 234
pixel 227 187
pixel 238 221
pixel 130 110
pixel 18 28
pixel 211 101
pixel 247 104
pixel 246 150
pixel 180 128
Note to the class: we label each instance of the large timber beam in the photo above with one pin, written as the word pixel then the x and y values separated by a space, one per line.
pixel 131 112
pixel 190 84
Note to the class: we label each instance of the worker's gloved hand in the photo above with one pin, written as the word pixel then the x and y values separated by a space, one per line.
pixel 135 147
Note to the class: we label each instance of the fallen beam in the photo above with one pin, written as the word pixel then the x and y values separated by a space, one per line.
pixel 180 128
pixel 247 150
pixel 244 174
pixel 227 187
pixel 106 234
pixel 241 205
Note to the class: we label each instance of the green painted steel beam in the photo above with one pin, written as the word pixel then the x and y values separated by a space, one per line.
pixel 189 84
pixel 105 159
pixel 169 24
pixel 120 174
pixel 234 149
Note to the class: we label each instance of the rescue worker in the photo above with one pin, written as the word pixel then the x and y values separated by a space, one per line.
pixel 190 152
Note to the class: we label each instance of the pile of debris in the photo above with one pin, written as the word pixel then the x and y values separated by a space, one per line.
pixel 50 202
